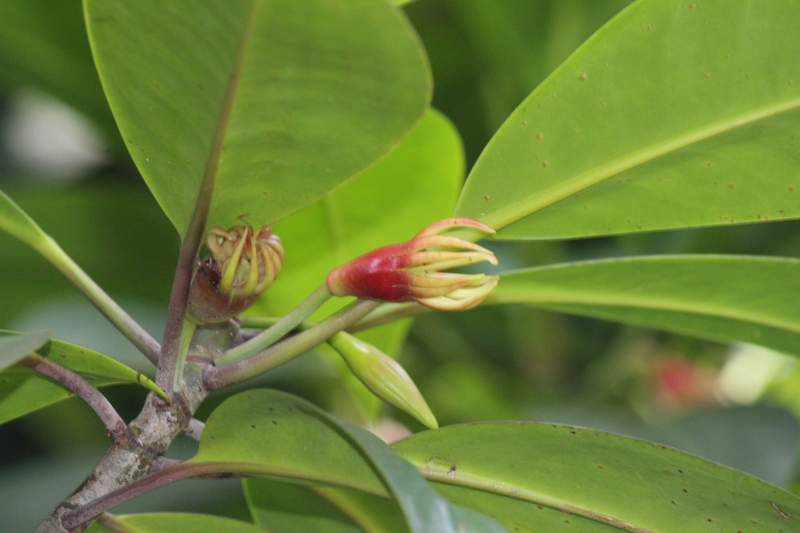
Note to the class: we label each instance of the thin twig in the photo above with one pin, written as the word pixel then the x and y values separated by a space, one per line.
pixel 283 326
pixel 75 518
pixel 102 301
pixel 216 377
pixel 117 429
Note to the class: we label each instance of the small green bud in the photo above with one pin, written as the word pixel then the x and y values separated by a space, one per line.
pixel 383 376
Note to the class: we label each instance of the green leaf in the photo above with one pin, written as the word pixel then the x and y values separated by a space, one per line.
pixel 674 114
pixel 726 298
pixel 306 445
pixel 289 508
pixel 236 431
pixel 537 477
pixel 23 390
pixel 472 521
pixel 290 99
pixel 177 523
pixel 424 509
pixel 15 347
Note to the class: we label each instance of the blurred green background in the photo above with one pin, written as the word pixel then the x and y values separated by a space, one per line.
pixel 62 161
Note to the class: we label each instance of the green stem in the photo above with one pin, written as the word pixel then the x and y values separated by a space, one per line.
pixel 382 315
pixel 217 377
pixel 186 339
pixel 280 328
pixel 102 301
pixel 388 313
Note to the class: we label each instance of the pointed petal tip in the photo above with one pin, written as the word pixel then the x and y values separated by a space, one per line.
pixel 455 222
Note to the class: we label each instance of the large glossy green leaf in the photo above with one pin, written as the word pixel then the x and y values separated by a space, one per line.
pixel 537 477
pixel 15 347
pixel 289 98
pixel 23 390
pixel 306 445
pixel 674 114
pixel 177 523
pixel 727 298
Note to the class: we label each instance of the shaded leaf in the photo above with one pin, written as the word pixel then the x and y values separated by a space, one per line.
pixel 23 390
pixel 177 523
pixel 15 347
pixel 674 114
pixel 726 298
pixel 290 99
pixel 332 452
pixel 289 508
pixel 472 521
pixel 558 478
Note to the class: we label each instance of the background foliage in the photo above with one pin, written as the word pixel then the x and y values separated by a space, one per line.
pixel 735 404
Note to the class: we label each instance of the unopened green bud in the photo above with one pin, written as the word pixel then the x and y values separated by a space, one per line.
pixel 383 376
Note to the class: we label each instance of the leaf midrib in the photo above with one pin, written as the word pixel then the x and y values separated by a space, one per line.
pixel 527 206
pixel 551 296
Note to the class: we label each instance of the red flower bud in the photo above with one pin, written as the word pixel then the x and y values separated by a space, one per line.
pixel 412 271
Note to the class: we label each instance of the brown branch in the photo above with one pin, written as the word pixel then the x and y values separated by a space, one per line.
pixel 170 474
pixel 116 428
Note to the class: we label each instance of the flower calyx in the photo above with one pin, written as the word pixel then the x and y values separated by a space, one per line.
pixel 242 263
pixel 413 271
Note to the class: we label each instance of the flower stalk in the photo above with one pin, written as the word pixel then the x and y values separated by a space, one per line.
pixel 217 377
pixel 279 329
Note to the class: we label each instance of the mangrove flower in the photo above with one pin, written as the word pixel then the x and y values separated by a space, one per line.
pixel 412 271
pixel 383 376
pixel 241 264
